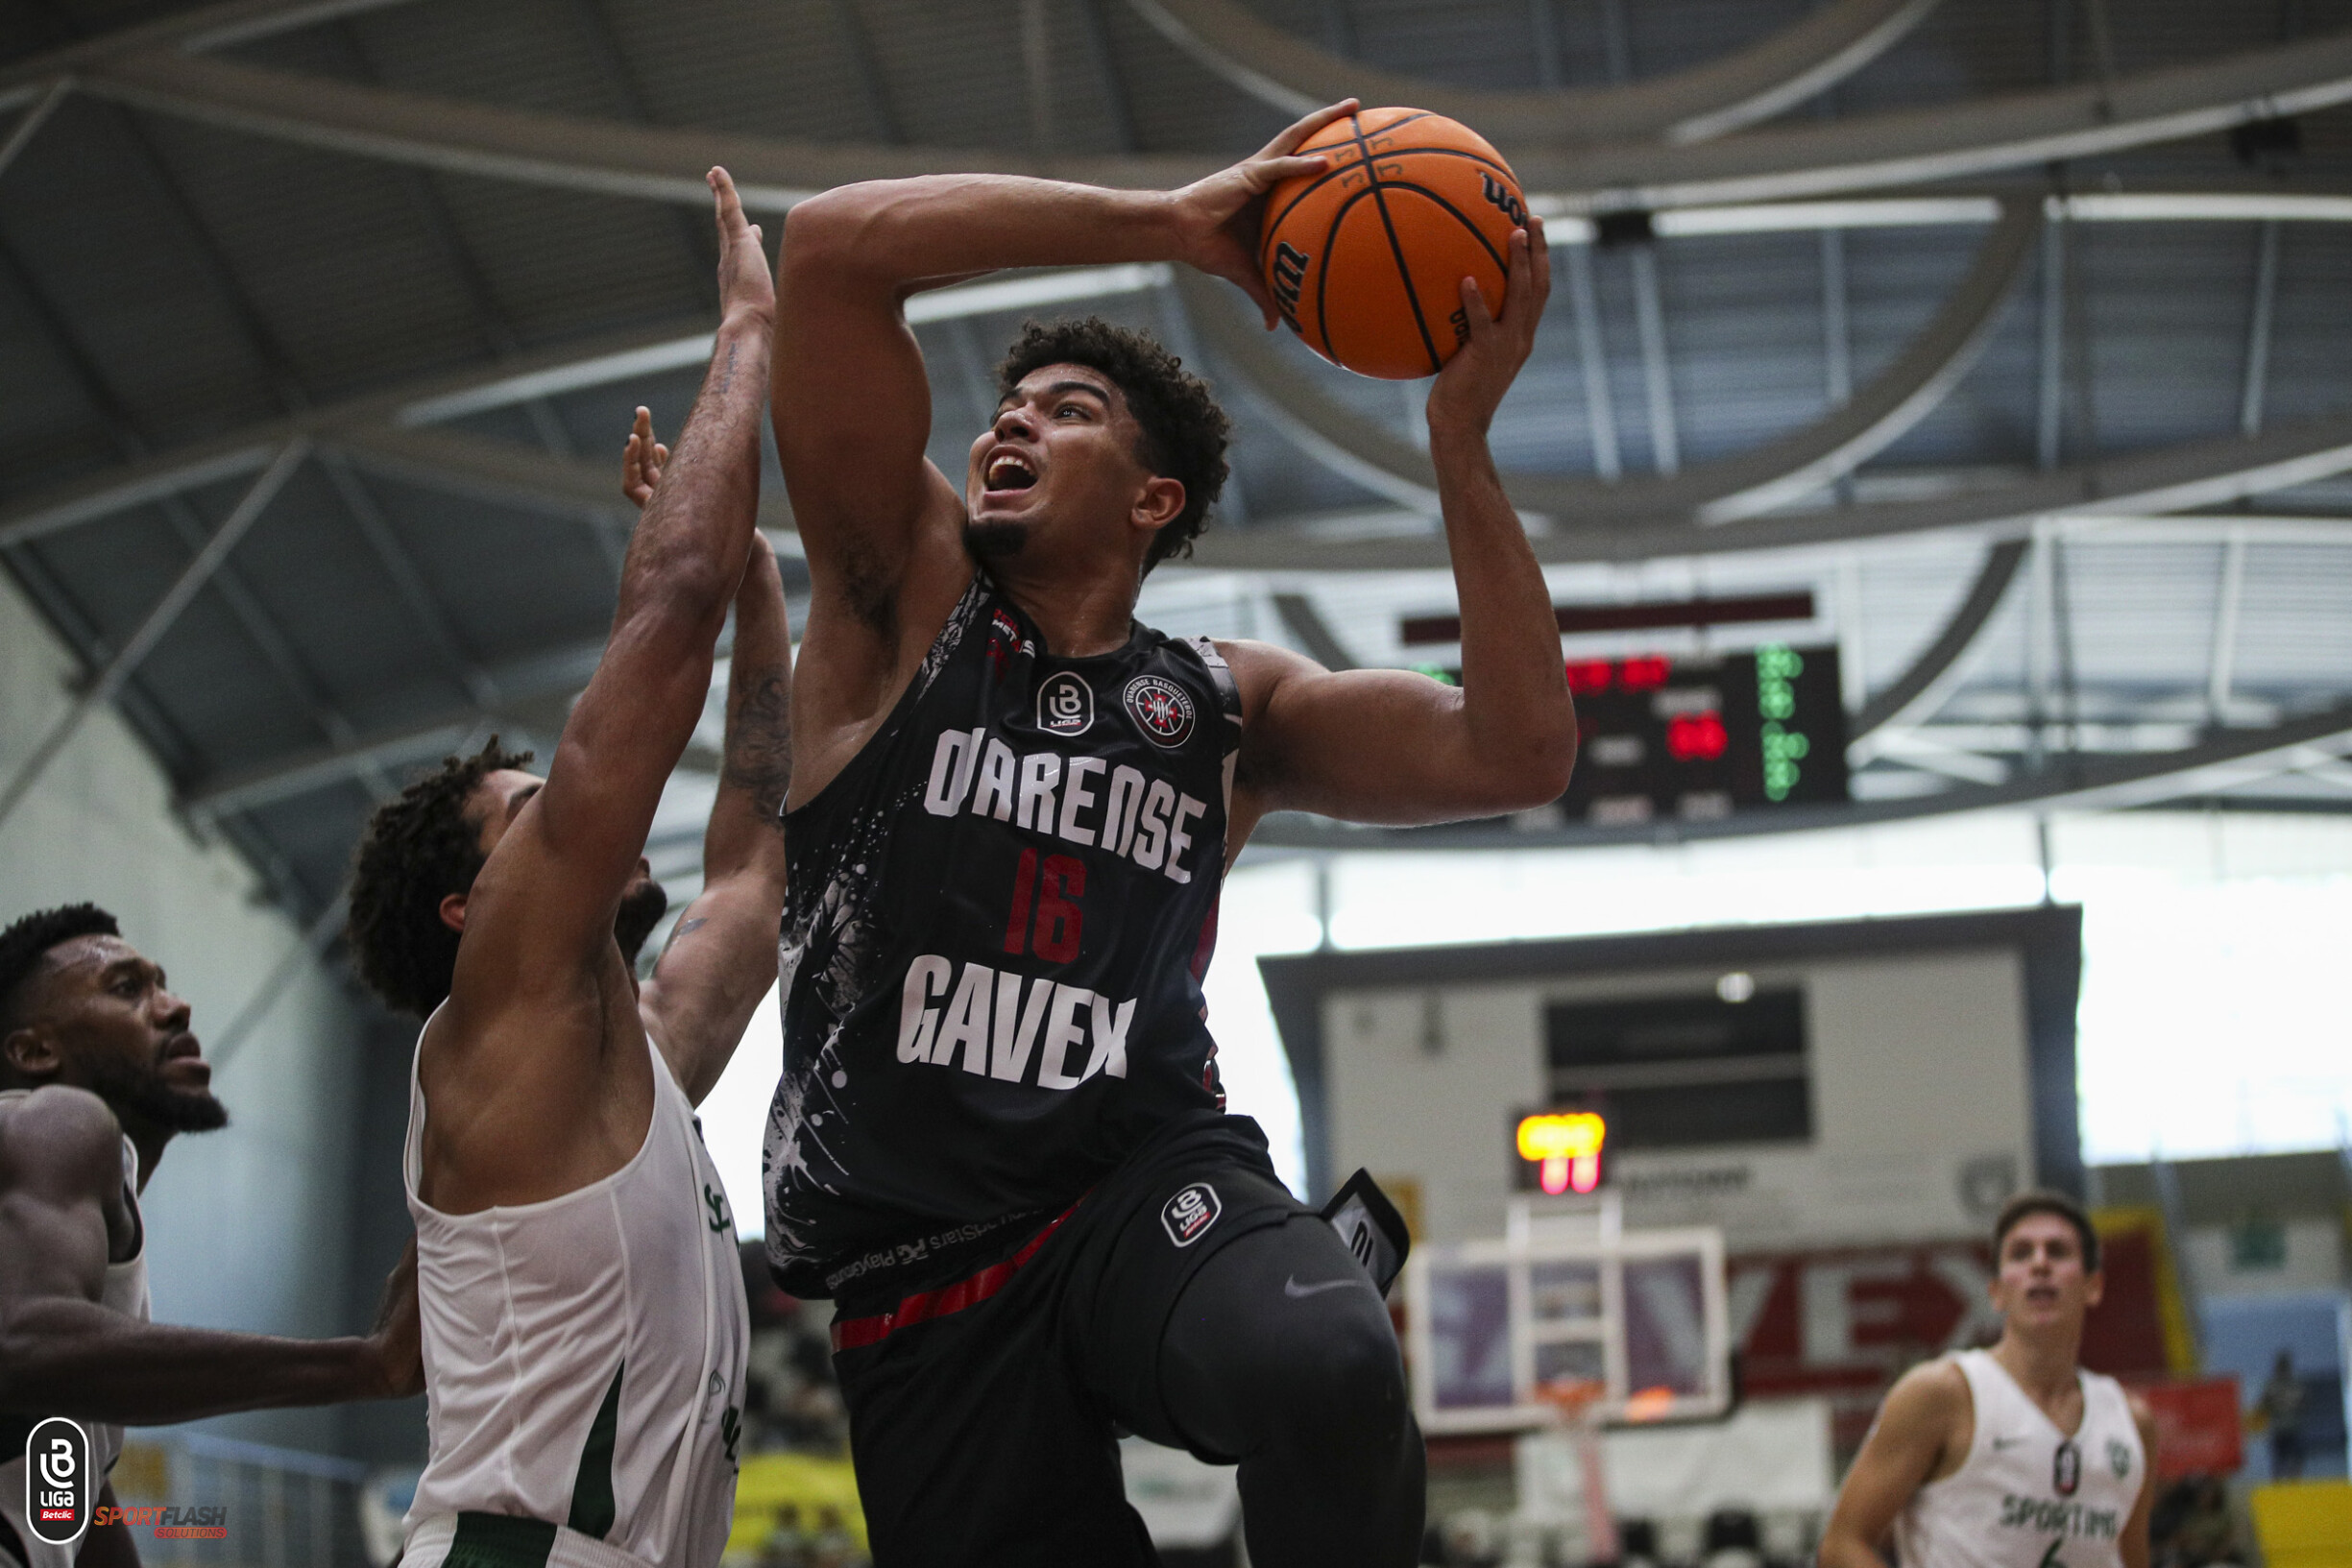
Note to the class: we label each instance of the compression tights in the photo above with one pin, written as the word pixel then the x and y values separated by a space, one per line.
pixel 1280 1355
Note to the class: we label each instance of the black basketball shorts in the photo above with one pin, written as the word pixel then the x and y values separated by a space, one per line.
pixel 984 1414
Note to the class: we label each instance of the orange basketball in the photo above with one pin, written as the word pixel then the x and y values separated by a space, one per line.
pixel 1366 259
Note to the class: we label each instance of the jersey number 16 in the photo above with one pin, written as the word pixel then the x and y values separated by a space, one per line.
pixel 1053 893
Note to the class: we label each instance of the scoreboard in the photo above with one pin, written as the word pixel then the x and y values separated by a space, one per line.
pixel 1699 739
pixel 1695 739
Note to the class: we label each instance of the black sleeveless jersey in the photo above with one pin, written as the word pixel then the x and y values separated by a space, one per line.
pixel 998 919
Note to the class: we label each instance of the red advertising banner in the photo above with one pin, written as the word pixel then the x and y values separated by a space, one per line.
pixel 1845 1323
pixel 2199 1429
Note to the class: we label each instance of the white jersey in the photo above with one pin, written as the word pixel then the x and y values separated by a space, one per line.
pixel 2028 1495
pixel 584 1362
pixel 125 1291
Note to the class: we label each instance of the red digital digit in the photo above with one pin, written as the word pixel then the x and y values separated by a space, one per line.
pixel 1646 673
pixel 1696 737
pixel 1588 675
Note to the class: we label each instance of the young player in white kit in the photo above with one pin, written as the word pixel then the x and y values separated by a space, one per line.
pixel 2013 1456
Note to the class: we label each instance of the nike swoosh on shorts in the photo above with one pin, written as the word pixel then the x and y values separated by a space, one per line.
pixel 1297 1291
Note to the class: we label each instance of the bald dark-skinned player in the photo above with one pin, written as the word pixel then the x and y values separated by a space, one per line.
pixel 98 1072
pixel 999 1143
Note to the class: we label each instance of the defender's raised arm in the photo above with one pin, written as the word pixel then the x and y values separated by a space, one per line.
pixel 721 955
pixel 536 1085
pixel 578 838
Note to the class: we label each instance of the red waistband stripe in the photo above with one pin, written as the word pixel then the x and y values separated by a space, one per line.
pixel 855 1332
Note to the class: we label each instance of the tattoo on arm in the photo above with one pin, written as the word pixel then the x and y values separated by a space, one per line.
pixel 684 928
pixel 760 747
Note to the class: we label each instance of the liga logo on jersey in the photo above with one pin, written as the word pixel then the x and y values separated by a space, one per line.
pixel 59 1489
pixel 1161 708
pixel 1065 705
pixel 1190 1213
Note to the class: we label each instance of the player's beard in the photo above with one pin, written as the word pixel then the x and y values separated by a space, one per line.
pixel 642 909
pixel 994 540
pixel 143 1094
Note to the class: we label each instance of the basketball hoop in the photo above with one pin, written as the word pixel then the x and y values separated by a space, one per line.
pixel 1573 1401
pixel 1571 1398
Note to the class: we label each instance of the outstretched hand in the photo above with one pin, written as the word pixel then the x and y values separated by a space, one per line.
pixel 1217 218
pixel 1471 386
pixel 745 285
pixel 641 460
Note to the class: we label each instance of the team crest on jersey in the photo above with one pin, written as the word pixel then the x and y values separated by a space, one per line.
pixel 2119 1457
pixel 2066 1469
pixel 1161 708
pixel 1188 1216
pixel 1065 705
pixel 1004 642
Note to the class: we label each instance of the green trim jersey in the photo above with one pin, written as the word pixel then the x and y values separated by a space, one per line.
pixel 996 924
pixel 2028 1495
pixel 583 1363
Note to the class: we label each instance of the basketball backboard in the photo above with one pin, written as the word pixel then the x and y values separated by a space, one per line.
pixel 1568 1295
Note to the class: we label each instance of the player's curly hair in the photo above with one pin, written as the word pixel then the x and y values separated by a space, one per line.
pixel 1184 432
pixel 24 943
pixel 416 850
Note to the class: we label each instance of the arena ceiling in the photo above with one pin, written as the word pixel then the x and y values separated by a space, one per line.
pixel 2014 334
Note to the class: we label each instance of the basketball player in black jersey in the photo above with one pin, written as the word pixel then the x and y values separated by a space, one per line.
pixel 999 1143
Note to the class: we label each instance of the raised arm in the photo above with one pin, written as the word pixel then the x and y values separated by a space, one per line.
pixel 721 955
pixel 852 407
pixel 1393 747
pixel 544 905
pixel 63 1354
